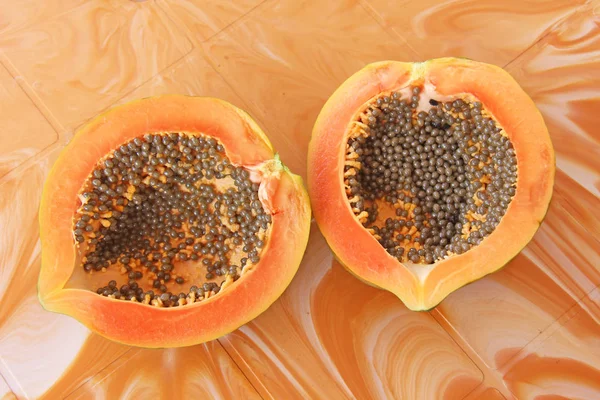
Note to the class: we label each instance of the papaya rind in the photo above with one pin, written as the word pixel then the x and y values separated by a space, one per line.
pixel 357 250
pixel 151 327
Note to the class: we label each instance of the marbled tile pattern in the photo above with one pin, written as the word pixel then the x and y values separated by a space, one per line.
pixel 529 331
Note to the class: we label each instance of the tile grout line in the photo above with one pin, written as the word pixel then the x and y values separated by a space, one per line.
pixel 31 94
pixel 58 142
pixel 564 199
pixel 3 371
pixel 559 24
pixel 44 112
pixel 61 132
pixel 242 369
pixel 368 8
pixel 570 284
pixel 496 381
pixel 200 45
pixel 183 56
pixel 226 27
pixel 573 217
pixel 166 9
pixel 547 333
pixel 83 383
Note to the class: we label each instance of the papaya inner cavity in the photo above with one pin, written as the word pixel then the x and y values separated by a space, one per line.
pixel 172 215
pixel 432 182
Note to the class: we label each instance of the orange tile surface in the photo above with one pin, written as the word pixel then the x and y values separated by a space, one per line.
pixel 204 371
pixel 562 75
pixel 564 360
pixel 332 337
pixel 206 18
pixel 20 115
pixel 486 30
pixel 5 392
pixel 83 59
pixel 529 331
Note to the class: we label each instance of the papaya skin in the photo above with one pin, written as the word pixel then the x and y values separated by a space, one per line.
pixel 424 287
pixel 282 193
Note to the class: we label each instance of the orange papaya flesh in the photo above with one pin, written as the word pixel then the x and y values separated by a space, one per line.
pixel 65 287
pixel 332 160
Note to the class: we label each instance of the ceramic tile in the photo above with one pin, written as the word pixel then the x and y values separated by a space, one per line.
pixel 24 131
pixel 491 394
pixel 204 19
pixel 203 371
pixel 39 351
pixel 192 76
pixel 483 30
pixel 331 336
pixel 562 75
pixel 82 61
pixel 565 362
pixel 285 68
pixel 5 392
pixel 18 15
pixel 497 316
pixel 500 314
pixel 564 250
pixel 579 203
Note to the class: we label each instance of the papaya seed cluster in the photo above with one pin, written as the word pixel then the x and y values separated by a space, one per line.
pixel 161 201
pixel 449 174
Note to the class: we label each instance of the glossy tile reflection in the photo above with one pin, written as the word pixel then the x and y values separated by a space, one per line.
pixel 566 252
pixel 581 204
pixel 204 19
pixel 483 30
pixel 562 75
pixel 5 392
pixel 193 76
pixel 204 371
pixel 529 331
pixel 84 60
pixel 19 114
pixel 25 13
pixel 60 351
pixel 505 313
pixel 357 341
pixel 491 394
pixel 566 361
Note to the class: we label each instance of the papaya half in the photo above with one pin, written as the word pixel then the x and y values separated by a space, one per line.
pixel 169 221
pixel 426 176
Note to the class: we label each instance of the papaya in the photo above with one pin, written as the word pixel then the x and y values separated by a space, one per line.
pixel 169 221
pixel 426 176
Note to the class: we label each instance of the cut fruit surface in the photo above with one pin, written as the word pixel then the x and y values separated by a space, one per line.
pixel 169 221
pixel 427 176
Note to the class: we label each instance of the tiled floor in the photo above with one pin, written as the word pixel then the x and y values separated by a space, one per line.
pixel 530 331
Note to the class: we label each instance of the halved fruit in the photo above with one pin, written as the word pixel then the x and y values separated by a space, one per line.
pixel 424 177
pixel 169 221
